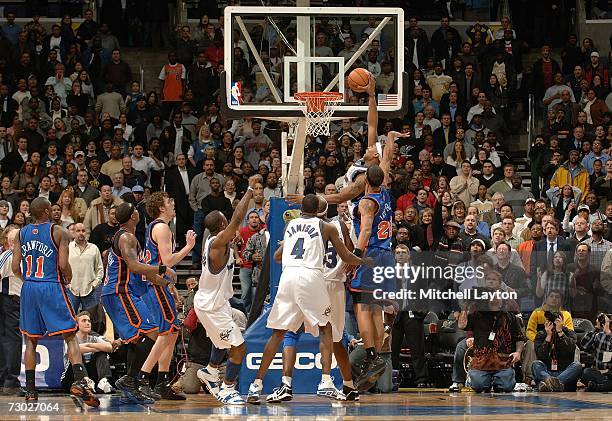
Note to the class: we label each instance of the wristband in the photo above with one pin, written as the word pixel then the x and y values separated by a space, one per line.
pixel 250 188
pixel 161 269
pixel 358 252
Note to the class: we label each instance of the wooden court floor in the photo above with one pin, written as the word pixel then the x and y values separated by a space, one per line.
pixel 409 406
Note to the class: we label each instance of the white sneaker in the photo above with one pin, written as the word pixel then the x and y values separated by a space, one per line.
pixel 327 389
pixel 210 381
pixel 228 395
pixel 105 386
pixel 455 388
pixel 90 383
pixel 521 387
pixel 254 395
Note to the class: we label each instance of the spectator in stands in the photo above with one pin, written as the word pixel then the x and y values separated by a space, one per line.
pixel 87 271
pixel 198 190
pixel 572 172
pixel 103 233
pixel 117 72
pixel 543 73
pixel 517 195
pixel 98 212
pixel 172 77
pixel 246 265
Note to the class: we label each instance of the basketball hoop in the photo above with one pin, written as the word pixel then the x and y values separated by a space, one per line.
pixel 318 108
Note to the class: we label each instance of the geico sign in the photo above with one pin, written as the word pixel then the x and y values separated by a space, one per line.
pixel 42 357
pixel 303 361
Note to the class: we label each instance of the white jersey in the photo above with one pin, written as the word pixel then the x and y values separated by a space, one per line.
pixel 303 245
pixel 354 170
pixel 333 270
pixel 215 288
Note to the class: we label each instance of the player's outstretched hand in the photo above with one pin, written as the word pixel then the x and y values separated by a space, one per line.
pixel 295 198
pixel 395 134
pixel 190 238
pixel 371 88
pixel 254 179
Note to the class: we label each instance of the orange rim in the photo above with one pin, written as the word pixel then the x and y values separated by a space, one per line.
pixel 316 101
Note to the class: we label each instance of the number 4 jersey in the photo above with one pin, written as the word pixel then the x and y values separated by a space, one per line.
pixel 303 244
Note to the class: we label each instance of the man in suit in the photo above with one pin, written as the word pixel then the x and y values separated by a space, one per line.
pixel 441 42
pixel 468 81
pixel 178 180
pixel 546 248
pixel 444 134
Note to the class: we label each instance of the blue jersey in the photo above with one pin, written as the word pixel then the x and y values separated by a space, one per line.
pixel 119 278
pixel 151 256
pixel 39 253
pixel 382 227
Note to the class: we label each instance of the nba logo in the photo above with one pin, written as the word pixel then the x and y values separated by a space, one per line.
pixel 236 93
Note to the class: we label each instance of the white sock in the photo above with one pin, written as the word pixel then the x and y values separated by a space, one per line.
pixel 212 370
pixel 226 386
pixel 325 378
pixel 258 383
pixel 348 384
pixel 287 380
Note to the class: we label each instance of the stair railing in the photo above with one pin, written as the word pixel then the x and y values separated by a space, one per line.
pixel 141 74
pixel 530 122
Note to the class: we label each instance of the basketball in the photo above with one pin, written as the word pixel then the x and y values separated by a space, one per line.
pixel 358 79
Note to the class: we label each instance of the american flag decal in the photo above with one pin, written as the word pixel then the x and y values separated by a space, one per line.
pixel 388 99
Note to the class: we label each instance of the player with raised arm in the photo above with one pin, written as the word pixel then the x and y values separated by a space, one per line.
pixel 301 298
pixel 334 274
pixel 162 300
pixel 45 308
pixel 355 183
pixel 374 235
pixel 122 299
pixel 211 302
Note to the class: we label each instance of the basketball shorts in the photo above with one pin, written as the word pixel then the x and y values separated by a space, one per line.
pixel 220 327
pixel 130 316
pixel 366 279
pixel 301 299
pixel 45 309
pixel 337 299
pixel 163 309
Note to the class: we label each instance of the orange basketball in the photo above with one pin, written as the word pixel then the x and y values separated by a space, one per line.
pixel 358 79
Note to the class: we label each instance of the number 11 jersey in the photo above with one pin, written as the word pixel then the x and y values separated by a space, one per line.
pixel 303 245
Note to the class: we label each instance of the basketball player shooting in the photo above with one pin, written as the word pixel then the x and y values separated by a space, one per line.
pixel 301 298
pixel 162 300
pixel 211 302
pixel 45 309
pixel 355 176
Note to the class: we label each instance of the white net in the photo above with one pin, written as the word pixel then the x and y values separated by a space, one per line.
pixel 318 108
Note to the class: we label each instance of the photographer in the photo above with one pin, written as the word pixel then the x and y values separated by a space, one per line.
pixel 536 324
pixel 599 343
pixel 498 344
pixel 555 369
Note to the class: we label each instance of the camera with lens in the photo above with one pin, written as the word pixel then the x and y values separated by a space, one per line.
pixel 551 316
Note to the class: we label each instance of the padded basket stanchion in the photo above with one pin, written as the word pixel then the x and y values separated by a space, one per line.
pixel 318 108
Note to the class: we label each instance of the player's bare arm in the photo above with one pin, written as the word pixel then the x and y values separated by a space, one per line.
pixel 348 192
pixel 227 235
pixel 62 237
pixel 372 112
pixel 278 254
pixel 16 264
pixel 330 233
pixel 347 236
pixel 387 158
pixel 367 211
pixel 163 237
pixel 128 246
